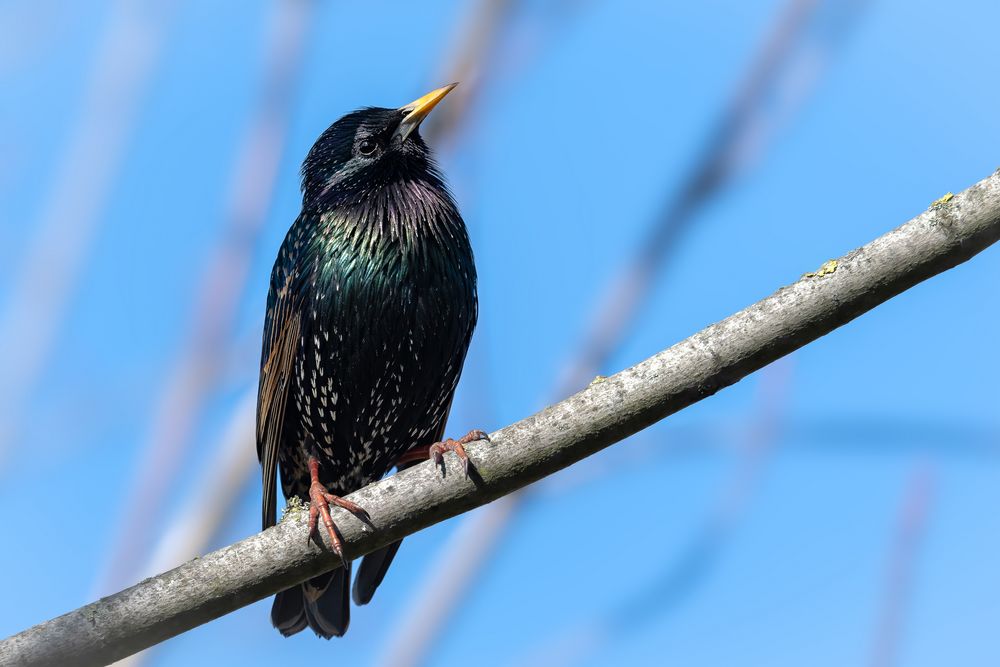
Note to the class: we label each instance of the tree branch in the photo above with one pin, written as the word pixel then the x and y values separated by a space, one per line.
pixel 605 412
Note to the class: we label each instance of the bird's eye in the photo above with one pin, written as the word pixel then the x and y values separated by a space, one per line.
pixel 367 147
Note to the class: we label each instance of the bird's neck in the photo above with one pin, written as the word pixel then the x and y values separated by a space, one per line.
pixel 410 224
pixel 398 210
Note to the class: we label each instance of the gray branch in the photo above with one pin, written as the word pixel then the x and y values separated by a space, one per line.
pixel 607 411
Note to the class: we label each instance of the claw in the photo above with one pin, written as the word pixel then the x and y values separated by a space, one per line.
pixel 437 450
pixel 474 435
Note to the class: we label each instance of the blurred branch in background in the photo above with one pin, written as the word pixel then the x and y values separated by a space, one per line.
pixel 469 62
pixel 902 563
pixel 196 371
pixel 684 574
pixel 213 499
pixel 605 412
pixel 803 41
pixel 31 35
pixel 216 492
pixel 72 212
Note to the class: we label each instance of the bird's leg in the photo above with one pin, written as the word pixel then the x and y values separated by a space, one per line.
pixel 319 506
pixel 437 450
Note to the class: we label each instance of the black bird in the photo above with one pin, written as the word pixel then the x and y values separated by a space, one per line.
pixel 370 311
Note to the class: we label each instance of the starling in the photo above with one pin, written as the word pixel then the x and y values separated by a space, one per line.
pixel 370 311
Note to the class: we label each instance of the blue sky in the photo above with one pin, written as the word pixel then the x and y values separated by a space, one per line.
pixel 595 113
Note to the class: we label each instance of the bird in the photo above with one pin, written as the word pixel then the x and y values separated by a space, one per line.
pixel 371 307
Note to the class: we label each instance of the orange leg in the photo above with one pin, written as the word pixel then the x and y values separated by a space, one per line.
pixel 319 506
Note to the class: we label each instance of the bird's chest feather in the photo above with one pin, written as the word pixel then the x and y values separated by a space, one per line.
pixel 385 332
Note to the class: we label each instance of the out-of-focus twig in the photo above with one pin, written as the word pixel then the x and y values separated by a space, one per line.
pixel 72 211
pixel 905 550
pixel 408 645
pixel 776 84
pixel 222 479
pixel 193 375
pixel 735 143
pixel 468 62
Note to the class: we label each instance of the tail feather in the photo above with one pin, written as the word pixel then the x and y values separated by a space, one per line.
pixel 288 612
pixel 322 603
pixel 372 572
pixel 374 565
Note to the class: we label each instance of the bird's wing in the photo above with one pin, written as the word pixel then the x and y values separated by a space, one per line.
pixel 281 340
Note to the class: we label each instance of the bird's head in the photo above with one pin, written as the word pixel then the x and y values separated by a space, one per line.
pixel 369 149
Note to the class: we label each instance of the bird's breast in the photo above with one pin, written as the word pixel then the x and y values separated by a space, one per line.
pixel 380 356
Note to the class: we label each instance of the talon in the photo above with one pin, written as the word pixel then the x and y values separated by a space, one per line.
pixel 464 458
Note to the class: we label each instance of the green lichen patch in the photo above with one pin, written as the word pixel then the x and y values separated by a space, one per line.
pixel 293 508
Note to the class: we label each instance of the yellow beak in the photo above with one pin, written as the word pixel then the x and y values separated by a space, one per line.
pixel 418 109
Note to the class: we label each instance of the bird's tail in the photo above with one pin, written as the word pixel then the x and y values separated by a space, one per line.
pixel 372 572
pixel 374 565
pixel 322 603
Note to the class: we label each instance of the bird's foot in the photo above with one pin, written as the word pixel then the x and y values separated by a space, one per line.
pixel 438 449
pixel 320 501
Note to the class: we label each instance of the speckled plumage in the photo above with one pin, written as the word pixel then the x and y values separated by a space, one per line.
pixel 370 312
